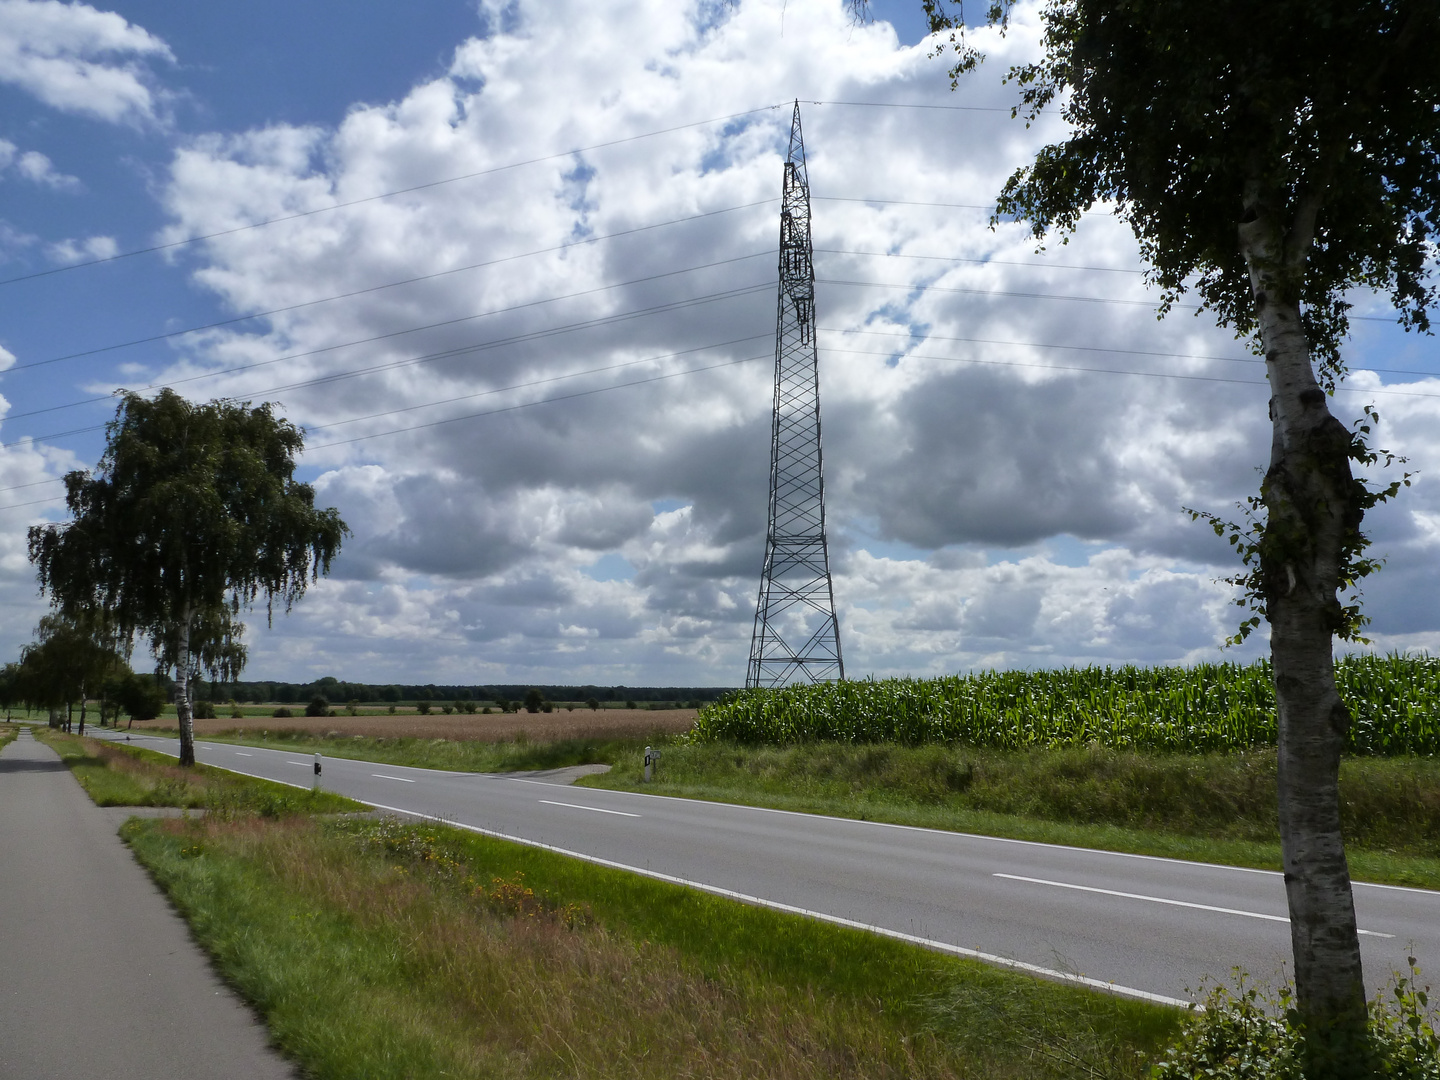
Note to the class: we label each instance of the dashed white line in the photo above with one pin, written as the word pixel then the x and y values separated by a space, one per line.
pixel 289 762
pixel 383 776
pixel 597 809
pixel 1164 900
pixel 239 754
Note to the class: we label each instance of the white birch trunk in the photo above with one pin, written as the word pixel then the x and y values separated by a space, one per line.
pixel 1310 510
pixel 183 714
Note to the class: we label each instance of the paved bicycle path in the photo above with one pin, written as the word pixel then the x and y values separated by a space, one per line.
pixel 99 978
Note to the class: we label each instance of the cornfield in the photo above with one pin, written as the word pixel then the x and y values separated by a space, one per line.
pixel 1395 701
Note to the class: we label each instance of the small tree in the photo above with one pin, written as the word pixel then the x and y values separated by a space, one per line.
pixel 192 515
pixel 9 688
pixel 503 704
pixel 71 659
pixel 319 706
pixel 423 708
pixel 534 700
pixel 142 696
pixel 592 704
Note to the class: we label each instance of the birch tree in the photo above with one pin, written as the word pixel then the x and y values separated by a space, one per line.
pixel 1270 158
pixel 192 515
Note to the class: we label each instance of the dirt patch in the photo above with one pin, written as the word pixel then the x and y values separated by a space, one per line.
pixel 538 727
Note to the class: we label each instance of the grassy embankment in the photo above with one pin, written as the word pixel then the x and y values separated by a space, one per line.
pixel 378 950
pixel 8 732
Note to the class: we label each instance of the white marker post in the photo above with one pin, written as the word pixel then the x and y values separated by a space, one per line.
pixel 652 757
pixel 317 771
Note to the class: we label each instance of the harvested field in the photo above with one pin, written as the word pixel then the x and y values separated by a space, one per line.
pixel 538 727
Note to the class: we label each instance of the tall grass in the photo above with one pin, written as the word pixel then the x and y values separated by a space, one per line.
pixel 384 951
pixel 1209 707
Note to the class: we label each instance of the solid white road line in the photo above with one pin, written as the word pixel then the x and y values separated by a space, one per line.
pixel 775 905
pixel 1163 900
pixel 597 809
pixel 382 776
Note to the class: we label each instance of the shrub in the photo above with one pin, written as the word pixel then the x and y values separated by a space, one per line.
pixel 203 710
pixel 533 700
pixel 282 713
pixel 630 704
pixel 319 706
pixel 1247 1035
pixel 503 704
pixel 423 708
pixel 353 707
pixel 592 704
pixel 236 713
pixel 391 710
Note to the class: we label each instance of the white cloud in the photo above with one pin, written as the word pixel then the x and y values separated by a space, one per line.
pixel 78 59
pixel 1005 469
pixel 39 169
pixel 74 251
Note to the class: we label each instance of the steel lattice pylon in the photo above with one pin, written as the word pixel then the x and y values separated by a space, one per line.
pixel 797 636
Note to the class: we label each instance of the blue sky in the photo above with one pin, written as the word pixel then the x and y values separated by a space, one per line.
pixel 990 503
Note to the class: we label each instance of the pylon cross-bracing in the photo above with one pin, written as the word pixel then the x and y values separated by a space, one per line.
pixel 797 637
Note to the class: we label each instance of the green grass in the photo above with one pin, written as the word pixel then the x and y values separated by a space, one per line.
pixel 1211 807
pixel 379 950
pixel 1209 707
pixel 130 776
pixel 8 732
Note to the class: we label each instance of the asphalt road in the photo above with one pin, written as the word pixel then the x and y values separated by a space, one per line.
pixel 99 978
pixel 1135 924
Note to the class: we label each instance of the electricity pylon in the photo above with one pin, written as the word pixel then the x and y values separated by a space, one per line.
pixel 797 636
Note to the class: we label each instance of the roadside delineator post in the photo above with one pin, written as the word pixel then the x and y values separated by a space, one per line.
pixel 317 771
pixel 652 758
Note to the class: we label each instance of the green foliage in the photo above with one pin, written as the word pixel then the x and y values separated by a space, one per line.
pixel 423 708
pixel 1209 707
pixel 204 709
pixel 191 516
pixel 282 713
pixel 318 707
pixel 142 696
pixel 1244 1034
pixel 592 704
pixel 534 700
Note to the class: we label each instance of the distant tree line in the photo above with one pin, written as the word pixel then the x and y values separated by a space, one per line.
pixel 336 691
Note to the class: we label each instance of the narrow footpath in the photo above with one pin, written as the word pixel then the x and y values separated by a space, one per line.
pixel 99 978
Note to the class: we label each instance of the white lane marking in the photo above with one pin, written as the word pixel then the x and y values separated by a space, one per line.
pixel 239 754
pixel 383 776
pixel 819 916
pixel 923 829
pixel 289 762
pixel 597 809
pixel 1163 900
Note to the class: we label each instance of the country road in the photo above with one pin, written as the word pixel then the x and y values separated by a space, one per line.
pixel 1139 925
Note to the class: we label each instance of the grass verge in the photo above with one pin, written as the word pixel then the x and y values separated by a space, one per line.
pixel 130 776
pixel 1204 807
pixel 380 950
pixel 462 755
pixel 8 733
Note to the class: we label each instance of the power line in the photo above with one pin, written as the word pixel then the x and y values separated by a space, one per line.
pixel 376 288
pixel 233 369
pixel 384 195
pixel 458 350
pixel 732 363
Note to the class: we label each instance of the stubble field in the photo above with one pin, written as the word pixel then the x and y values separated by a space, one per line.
pixel 499 727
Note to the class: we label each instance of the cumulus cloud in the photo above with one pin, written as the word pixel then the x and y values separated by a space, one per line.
pixel 34 166
pixel 91 247
pixel 574 370
pixel 78 59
